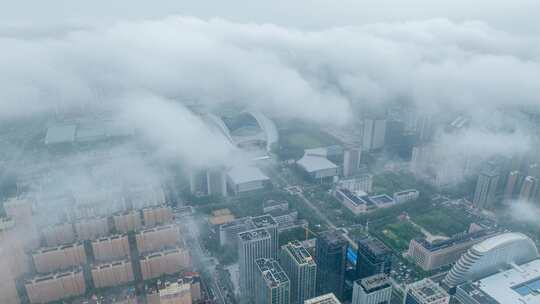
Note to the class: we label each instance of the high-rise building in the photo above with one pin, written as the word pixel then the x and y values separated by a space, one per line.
pixel 272 286
pixel 252 245
pixel 301 270
pixel 8 288
pixel 373 134
pixel 328 298
pixel 157 215
pixel 351 161
pixel 125 222
pixel 376 289
pixel 112 247
pixel 62 257
pixel 55 235
pixel 175 293
pixel 330 256
pixel 157 238
pixel 91 228
pixel 512 183
pixel 56 286
pixel 425 292
pixel 489 256
pixel 112 274
pixel 267 222
pixel 529 189
pixel 486 187
pixel 216 180
pixel 373 258
pixel 168 261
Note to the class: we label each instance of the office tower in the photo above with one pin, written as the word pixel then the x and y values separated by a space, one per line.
pixel 272 286
pixel 56 286
pixel 198 182
pixel 252 245
pixel 486 188
pixel 351 161
pixel 62 257
pixel 373 258
pixel 331 261
pixel 301 269
pixel 157 238
pixel 267 222
pixel 168 261
pixel 373 134
pixel 109 248
pixel 112 274
pixel 91 228
pixel 127 221
pixel 512 183
pixel 328 298
pixel 157 215
pixel 529 189
pixel 375 289
pixel 216 181
pixel 59 234
pixel 425 292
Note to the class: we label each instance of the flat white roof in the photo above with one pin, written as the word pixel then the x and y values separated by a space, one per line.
pixel 315 163
pixel 246 174
pixel 504 287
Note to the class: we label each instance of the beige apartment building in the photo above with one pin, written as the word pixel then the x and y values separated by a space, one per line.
pixel 112 274
pixel 56 286
pixel 59 258
pixel 110 248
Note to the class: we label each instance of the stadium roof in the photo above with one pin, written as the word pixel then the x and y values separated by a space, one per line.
pixel 60 134
pixel 500 240
pixel 246 174
pixel 315 163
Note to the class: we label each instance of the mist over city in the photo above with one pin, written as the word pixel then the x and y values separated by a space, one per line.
pixel 309 152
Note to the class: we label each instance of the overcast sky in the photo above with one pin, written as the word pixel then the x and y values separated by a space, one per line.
pixel 508 15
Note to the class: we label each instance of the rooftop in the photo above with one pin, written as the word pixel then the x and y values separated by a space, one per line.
pixel 375 246
pixel 272 272
pixel 500 240
pixel 457 239
pixel 246 174
pixel 520 284
pixel 262 221
pixel 256 234
pixel 357 198
pixel 315 163
pixel 328 298
pixel 381 199
pixel 427 290
pixel 299 253
pixel 374 283
pixel 332 237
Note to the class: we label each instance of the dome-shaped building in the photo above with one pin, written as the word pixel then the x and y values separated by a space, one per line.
pixel 490 256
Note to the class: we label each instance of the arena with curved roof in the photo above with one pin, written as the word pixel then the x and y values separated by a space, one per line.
pixel 248 130
pixel 491 255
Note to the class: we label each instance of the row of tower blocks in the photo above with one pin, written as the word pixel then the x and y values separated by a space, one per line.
pixel 65 260
pixel 293 275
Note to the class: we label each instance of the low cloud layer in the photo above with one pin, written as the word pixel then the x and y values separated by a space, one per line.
pixel 147 71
